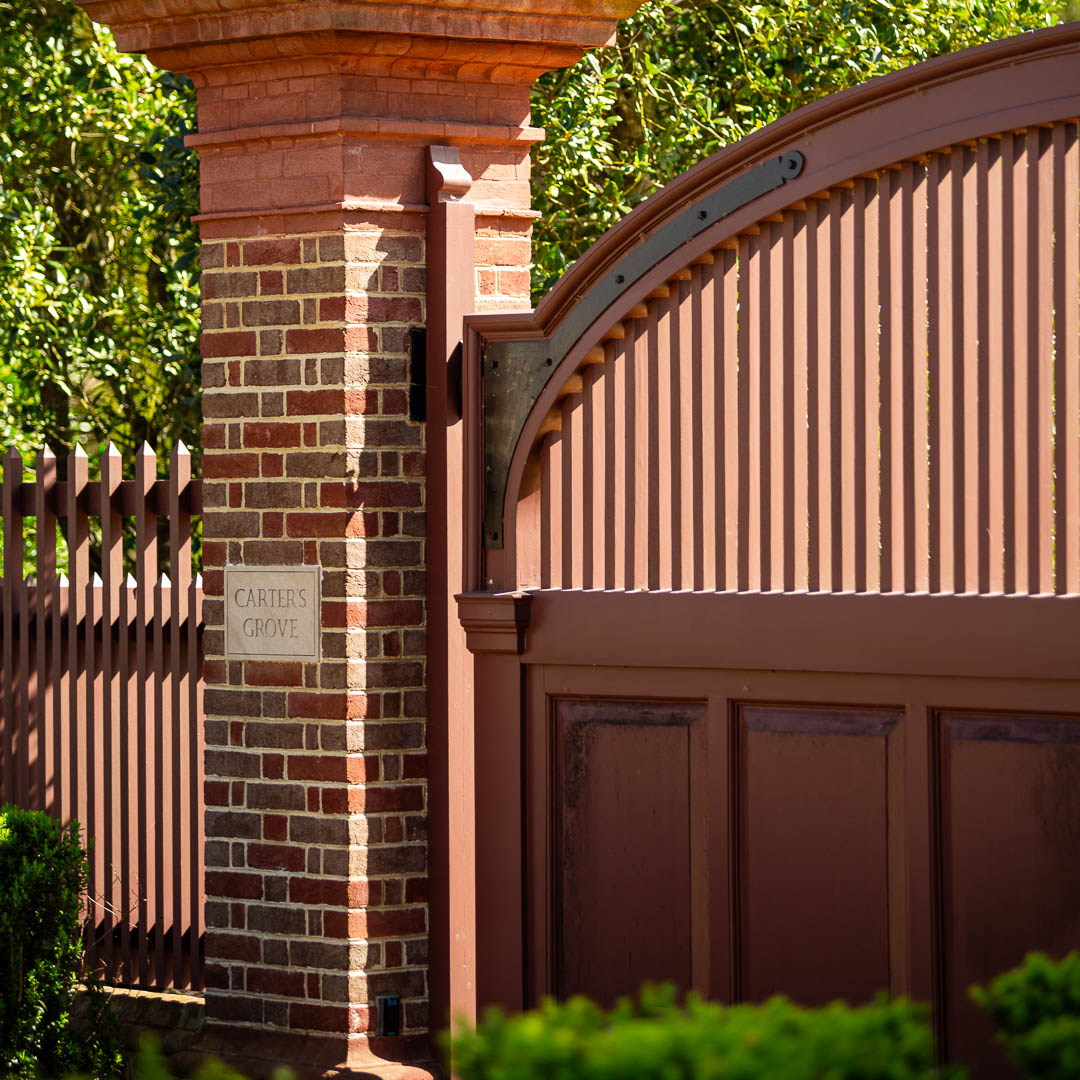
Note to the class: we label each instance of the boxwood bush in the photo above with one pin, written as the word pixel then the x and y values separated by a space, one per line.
pixel 657 1039
pixel 43 875
pixel 1036 1009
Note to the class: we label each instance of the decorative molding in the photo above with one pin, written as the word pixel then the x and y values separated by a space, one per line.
pixel 368 126
pixel 448 180
pixel 495 622
pixel 529 36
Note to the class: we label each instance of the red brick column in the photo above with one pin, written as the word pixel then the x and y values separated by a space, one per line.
pixel 314 123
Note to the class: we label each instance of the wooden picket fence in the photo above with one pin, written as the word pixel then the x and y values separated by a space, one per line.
pixel 100 697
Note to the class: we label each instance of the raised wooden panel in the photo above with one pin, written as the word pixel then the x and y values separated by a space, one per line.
pixel 1010 821
pixel 623 847
pixel 813 853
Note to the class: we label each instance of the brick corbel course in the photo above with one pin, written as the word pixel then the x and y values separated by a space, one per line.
pixel 314 119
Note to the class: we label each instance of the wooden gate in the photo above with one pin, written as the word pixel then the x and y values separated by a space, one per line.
pixel 773 572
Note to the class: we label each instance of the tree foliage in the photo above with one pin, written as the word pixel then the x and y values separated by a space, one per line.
pixel 99 295
pixel 688 77
pixel 98 255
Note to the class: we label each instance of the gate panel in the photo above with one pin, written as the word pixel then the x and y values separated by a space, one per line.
pixel 813 865
pixel 1010 852
pixel 624 846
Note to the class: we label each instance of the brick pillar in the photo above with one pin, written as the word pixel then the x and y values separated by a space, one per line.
pixel 314 123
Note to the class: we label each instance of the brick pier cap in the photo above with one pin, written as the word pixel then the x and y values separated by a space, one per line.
pixel 315 119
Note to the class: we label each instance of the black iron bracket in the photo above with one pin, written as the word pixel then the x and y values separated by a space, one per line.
pixel 514 373
pixel 418 374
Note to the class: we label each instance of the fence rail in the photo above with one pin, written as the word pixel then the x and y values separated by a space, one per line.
pixel 100 697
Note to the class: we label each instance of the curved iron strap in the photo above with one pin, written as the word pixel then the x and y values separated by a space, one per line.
pixel 515 373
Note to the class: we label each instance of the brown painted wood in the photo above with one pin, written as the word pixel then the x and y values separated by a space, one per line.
pixel 621 793
pixel 1010 858
pixel 837 500
pixel 77 693
pixel 814 870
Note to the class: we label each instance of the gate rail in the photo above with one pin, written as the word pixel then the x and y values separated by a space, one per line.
pixel 100 696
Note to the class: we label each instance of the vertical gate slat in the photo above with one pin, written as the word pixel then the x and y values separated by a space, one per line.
pixel 920 405
pixel 688 362
pixel 707 416
pixel 851 296
pixel 833 359
pixel 572 512
pixel 816 342
pixel 146 562
pixel 604 500
pixel 555 479
pixel 779 405
pixel 900 377
pixel 1041 186
pixel 669 432
pixel 78 541
pixel 642 450
pixel 547 523
pixel 1067 368
pixel 661 455
pixel 180 622
pixel 888 278
pixel 867 412
pixel 942 226
pixel 969 281
pixel 996 417
pixel 647 410
pixel 727 337
pixel 581 477
pixel 1020 389
pixel 979 403
pixel 112 575
pixel 750 414
pixel 592 458
pixel 569 515
pixel 799 333
pixel 622 504
pixel 45 531
pixel 13 527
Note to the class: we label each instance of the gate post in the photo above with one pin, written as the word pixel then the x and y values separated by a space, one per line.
pixel 314 123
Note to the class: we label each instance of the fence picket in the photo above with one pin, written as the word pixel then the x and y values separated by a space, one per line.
pixel 180 574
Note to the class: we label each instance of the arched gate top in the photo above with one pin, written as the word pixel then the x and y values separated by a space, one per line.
pixel 519 366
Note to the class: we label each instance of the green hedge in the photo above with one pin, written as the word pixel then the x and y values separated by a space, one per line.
pixel 43 876
pixel 1036 1010
pixel 656 1039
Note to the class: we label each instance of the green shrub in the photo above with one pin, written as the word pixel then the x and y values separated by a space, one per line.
pixel 659 1040
pixel 1036 1009
pixel 43 875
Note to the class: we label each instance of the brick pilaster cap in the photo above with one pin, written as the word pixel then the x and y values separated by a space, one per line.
pixel 523 37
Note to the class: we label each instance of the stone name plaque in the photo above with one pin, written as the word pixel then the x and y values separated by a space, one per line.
pixel 272 612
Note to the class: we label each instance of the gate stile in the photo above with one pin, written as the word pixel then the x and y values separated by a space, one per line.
pixel 777 495
pixel 101 700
